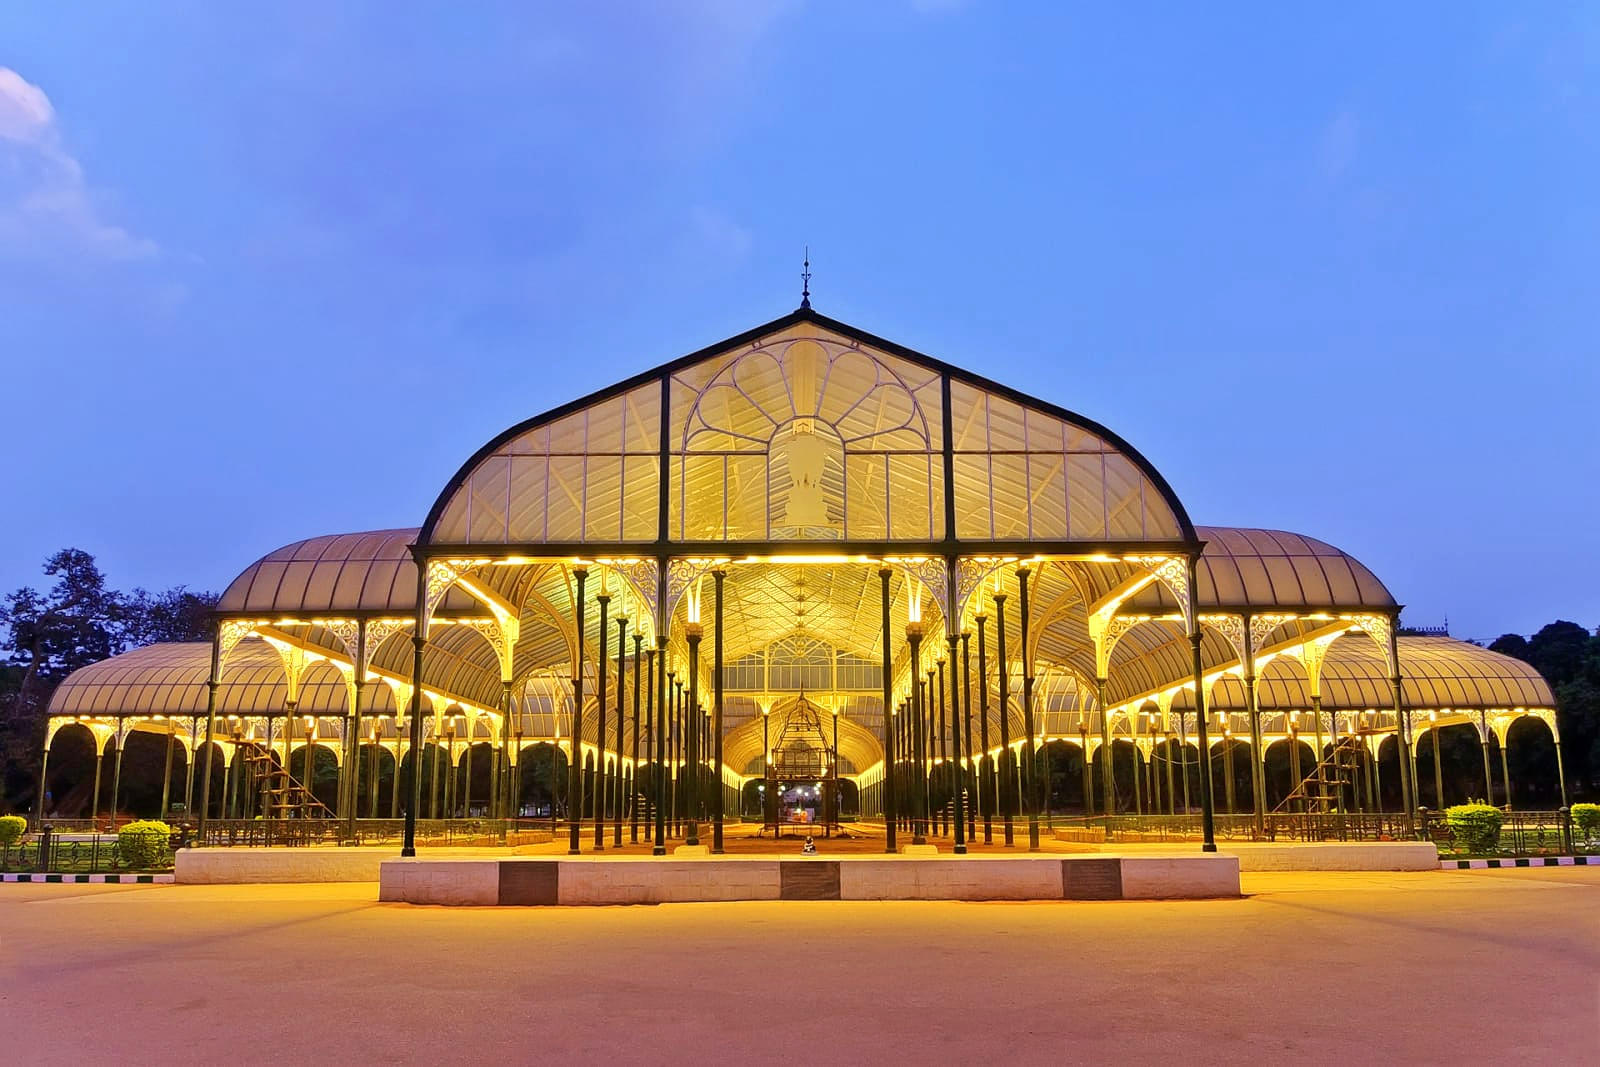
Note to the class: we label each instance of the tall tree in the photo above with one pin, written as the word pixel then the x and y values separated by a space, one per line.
pixel 1569 658
pixel 174 615
pixel 48 636
pixel 78 620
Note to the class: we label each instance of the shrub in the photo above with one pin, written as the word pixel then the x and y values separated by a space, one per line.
pixel 1475 827
pixel 12 827
pixel 1586 817
pixel 143 844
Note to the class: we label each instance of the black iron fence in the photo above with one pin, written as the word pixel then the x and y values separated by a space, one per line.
pixel 1522 833
pixel 429 832
pixel 54 850
pixel 1285 826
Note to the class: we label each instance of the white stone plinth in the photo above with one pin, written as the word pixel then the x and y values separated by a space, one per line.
pixel 242 866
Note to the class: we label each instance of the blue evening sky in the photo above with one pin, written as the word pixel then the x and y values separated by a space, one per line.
pixel 275 270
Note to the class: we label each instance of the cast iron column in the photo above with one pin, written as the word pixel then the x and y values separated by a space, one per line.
pixel 1505 771
pixel 575 739
pixel 601 793
pixel 941 756
pixel 985 762
pixel 211 725
pixel 1438 769
pixel 925 744
pixel 966 711
pixel 658 742
pixel 889 747
pixel 633 799
pixel 1030 776
pixel 919 829
pixel 717 813
pixel 167 773
pixel 1208 841
pixel 959 785
pixel 835 770
pixel 1087 778
pixel 1108 767
pixel 680 765
pixel 691 761
pixel 1005 716
pixel 1402 727
pixel 1488 775
pixel 622 712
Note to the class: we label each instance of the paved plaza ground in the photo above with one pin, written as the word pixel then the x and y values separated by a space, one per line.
pixel 1440 967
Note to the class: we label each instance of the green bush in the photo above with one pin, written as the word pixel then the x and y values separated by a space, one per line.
pixel 12 827
pixel 1585 817
pixel 1474 827
pixel 143 844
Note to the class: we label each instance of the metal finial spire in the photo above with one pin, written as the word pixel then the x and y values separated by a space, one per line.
pixel 805 280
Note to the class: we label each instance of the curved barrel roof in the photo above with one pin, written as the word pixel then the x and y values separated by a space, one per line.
pixel 356 572
pixel 1262 570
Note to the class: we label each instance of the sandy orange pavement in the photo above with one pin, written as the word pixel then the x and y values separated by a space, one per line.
pixel 1431 967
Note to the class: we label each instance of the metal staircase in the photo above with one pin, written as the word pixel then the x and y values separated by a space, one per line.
pixel 1321 790
pixel 282 796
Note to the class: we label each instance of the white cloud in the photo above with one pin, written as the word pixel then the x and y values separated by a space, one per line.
pixel 47 208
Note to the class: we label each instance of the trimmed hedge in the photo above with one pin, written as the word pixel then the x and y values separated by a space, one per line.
pixel 1475 828
pixel 143 844
pixel 12 827
pixel 1586 819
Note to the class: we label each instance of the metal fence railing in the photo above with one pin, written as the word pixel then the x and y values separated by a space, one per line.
pixel 1282 826
pixel 430 832
pixel 1522 833
pixel 54 852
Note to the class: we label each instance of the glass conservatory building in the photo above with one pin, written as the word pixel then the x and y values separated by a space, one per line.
pixel 804 562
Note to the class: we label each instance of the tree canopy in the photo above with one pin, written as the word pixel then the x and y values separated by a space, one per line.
pixel 1569 658
pixel 78 620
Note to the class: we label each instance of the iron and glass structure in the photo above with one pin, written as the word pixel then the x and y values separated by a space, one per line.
pixel 834 492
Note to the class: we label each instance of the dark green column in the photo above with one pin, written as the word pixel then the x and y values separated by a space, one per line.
pixel 971 771
pixel 890 811
pixel 691 738
pixel 1207 812
pixel 602 672
pixel 717 813
pixel 1006 776
pixel 957 776
pixel 211 726
pixel 1030 773
pixel 985 763
pixel 919 827
pixel 622 711
pixel 658 668
pixel 575 763
pixel 634 793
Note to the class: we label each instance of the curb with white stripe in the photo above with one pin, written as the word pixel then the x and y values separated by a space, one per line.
pixel 1520 861
pixel 80 879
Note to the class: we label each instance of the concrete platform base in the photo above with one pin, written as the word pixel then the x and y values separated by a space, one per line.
pixel 245 866
pixel 919 850
pixel 1336 856
pixel 624 880
pixel 692 850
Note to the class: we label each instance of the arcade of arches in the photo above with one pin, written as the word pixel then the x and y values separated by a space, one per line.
pixel 843 580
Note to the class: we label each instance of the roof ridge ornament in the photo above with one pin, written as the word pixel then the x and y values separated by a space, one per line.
pixel 805 281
